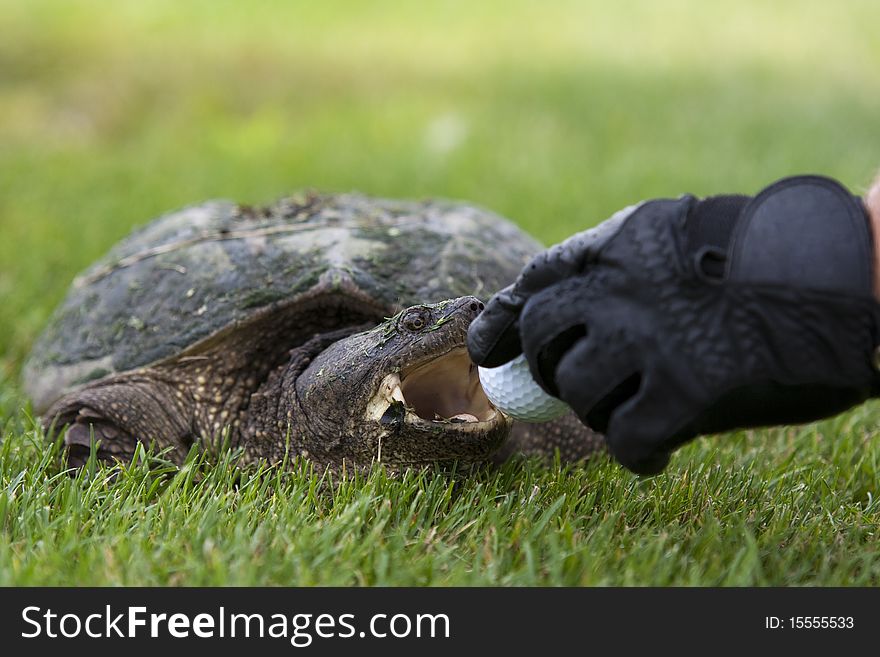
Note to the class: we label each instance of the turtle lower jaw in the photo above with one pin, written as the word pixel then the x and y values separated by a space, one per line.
pixel 444 391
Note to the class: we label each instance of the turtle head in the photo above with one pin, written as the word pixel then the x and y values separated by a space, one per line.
pixel 404 392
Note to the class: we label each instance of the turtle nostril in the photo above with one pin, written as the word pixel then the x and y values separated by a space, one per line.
pixel 475 306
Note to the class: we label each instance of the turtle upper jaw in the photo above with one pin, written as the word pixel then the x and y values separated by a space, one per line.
pixel 441 391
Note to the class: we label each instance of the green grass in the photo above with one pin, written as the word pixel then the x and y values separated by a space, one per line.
pixel 554 114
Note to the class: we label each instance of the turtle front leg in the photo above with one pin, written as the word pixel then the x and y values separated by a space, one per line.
pixel 118 412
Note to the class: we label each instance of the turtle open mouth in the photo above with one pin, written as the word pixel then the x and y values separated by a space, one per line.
pixel 445 389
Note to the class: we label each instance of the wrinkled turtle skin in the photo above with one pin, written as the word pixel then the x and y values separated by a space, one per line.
pixel 331 327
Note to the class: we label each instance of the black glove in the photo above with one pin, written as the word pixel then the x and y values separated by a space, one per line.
pixel 676 318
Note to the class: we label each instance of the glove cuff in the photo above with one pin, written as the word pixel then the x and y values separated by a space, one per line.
pixel 708 229
pixel 807 232
pixel 810 233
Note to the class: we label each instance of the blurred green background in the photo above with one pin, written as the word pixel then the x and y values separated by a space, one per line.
pixel 554 114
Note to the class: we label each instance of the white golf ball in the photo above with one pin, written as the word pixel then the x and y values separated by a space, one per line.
pixel 512 389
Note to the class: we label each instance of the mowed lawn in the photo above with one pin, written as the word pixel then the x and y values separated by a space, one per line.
pixel 554 114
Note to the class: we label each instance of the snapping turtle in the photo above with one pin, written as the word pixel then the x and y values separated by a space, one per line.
pixel 331 327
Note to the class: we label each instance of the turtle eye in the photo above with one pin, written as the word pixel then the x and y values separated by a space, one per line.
pixel 415 319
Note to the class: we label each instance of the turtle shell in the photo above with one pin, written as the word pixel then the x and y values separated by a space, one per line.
pixel 189 275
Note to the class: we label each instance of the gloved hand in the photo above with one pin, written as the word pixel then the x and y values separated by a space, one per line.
pixel 682 317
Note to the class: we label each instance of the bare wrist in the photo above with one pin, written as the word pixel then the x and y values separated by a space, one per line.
pixel 872 203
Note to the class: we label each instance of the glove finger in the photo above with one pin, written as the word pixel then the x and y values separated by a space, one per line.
pixel 493 337
pixel 554 319
pixel 593 379
pixel 643 431
pixel 570 257
pixel 601 378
